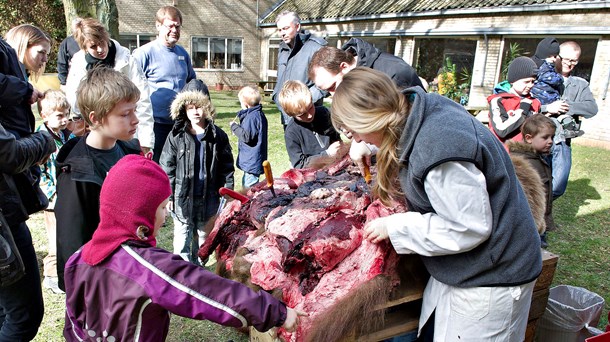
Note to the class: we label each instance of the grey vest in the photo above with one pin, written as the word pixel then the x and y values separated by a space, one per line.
pixel 439 130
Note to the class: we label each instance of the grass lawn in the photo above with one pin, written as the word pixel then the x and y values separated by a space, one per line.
pixel 582 240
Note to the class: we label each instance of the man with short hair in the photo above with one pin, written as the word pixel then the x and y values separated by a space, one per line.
pixel 580 103
pixel 167 67
pixel 296 49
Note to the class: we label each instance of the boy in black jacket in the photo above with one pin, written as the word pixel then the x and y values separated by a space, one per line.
pixel 197 158
pixel 110 100
pixel 311 135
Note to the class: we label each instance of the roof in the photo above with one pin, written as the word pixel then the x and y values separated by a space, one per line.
pixel 327 10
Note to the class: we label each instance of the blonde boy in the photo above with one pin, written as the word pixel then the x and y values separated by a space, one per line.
pixel 311 135
pixel 251 132
pixel 107 100
pixel 54 109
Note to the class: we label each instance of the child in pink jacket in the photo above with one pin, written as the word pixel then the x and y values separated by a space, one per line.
pixel 121 287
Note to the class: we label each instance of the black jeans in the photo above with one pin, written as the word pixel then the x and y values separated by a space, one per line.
pixel 21 305
pixel 161 132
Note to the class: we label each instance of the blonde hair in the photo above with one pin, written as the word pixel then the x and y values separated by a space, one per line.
pixel 295 98
pixel 90 30
pixel 23 37
pixel 101 90
pixel 53 100
pixel 367 101
pixel 249 96
pixel 169 12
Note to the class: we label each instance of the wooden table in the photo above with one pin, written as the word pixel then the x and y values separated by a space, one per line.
pixel 404 305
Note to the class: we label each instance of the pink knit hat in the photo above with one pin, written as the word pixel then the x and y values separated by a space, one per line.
pixel 130 196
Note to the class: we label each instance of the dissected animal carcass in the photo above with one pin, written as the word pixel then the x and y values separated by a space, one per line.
pixel 306 247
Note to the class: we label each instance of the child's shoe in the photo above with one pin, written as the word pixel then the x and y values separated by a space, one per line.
pixel 51 283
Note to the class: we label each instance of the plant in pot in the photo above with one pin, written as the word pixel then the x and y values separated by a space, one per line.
pixel 219 71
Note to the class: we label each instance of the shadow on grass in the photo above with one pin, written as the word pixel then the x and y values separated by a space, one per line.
pixel 582 240
pixel 578 194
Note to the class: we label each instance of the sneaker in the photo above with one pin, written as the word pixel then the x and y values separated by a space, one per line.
pixel 51 284
pixel 573 134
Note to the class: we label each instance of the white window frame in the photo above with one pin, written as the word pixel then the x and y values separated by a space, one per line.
pixel 226 66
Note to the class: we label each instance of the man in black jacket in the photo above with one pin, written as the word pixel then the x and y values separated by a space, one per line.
pixel 21 304
pixel 67 49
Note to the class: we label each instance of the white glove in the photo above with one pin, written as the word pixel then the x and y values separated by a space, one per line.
pixel 377 230
pixel 333 149
pixel 360 153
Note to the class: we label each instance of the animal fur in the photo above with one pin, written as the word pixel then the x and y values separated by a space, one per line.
pixel 346 317
pixel 533 187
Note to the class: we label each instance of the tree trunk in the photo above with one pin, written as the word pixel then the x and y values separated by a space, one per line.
pixel 104 10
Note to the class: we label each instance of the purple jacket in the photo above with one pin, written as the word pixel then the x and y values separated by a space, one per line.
pixel 130 294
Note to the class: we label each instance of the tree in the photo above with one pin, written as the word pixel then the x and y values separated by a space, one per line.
pixel 45 14
pixel 104 10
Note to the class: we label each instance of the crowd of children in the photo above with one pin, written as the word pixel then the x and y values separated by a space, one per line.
pixel 107 202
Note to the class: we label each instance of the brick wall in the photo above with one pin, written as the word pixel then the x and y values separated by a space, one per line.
pixel 212 18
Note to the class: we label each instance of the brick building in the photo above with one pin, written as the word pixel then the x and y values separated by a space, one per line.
pixel 222 37
pixel 228 43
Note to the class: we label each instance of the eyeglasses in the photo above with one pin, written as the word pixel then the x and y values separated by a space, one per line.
pixel 172 26
pixel 76 119
pixel 569 61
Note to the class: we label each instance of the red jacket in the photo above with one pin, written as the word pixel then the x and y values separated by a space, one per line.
pixel 507 112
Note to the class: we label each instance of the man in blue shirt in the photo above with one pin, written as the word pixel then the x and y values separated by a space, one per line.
pixel 167 67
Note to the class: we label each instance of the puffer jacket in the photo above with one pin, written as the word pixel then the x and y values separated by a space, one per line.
pixel 369 56
pixel 128 66
pixel 178 158
pixel 18 156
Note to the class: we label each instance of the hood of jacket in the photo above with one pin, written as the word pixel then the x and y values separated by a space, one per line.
pixel 519 147
pixel 530 182
pixel 199 99
pixel 366 52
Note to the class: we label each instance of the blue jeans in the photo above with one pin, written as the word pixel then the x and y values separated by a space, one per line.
pixel 561 165
pixel 190 233
pixel 249 179
pixel 21 305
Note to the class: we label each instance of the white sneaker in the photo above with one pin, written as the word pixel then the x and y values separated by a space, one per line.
pixel 51 284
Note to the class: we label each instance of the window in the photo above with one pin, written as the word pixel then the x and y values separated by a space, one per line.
pixel 216 53
pixel 446 64
pixel 133 41
pixel 514 47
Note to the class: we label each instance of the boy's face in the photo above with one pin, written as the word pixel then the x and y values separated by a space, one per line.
pixel 121 122
pixel 57 119
pixel 98 50
pixel 195 115
pixel 328 80
pixel 523 86
pixel 160 216
pixel 308 115
pixel 541 142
